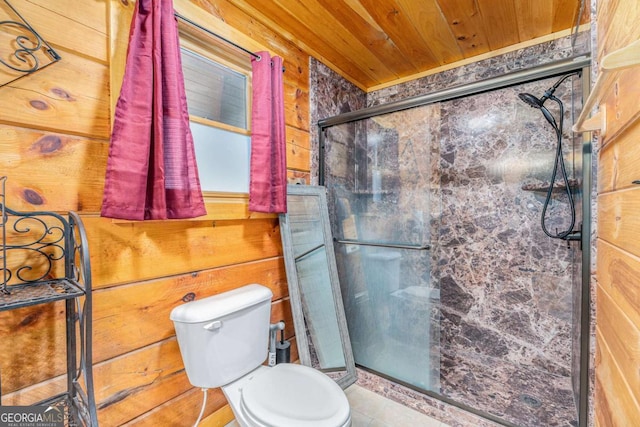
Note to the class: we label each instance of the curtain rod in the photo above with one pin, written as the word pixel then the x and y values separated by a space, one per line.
pixel 211 33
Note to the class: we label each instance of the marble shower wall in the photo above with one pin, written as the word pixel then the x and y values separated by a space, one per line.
pixel 329 95
pixel 507 345
pixel 505 287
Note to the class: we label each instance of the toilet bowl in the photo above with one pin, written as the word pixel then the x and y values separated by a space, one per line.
pixel 288 395
pixel 223 342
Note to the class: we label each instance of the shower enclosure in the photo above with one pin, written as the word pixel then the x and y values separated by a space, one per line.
pixel 449 284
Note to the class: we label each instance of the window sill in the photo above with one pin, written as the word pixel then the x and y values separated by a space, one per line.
pixel 220 207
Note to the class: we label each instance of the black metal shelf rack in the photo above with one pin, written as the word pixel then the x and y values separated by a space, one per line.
pixel 45 258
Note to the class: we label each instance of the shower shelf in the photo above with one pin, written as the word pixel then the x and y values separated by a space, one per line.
pixel 371 192
pixel 611 64
pixel 558 187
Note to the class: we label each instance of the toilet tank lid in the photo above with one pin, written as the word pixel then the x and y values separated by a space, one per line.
pixel 216 306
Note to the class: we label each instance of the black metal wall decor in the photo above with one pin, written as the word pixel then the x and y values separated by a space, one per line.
pixel 26 52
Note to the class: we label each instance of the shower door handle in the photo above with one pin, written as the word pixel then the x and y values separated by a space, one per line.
pixel 384 245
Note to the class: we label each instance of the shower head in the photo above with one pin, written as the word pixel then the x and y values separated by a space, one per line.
pixel 534 102
pixel 531 100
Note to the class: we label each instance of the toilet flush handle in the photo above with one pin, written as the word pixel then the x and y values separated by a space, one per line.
pixel 216 324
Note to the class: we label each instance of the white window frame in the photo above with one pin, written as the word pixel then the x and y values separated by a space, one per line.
pixel 205 46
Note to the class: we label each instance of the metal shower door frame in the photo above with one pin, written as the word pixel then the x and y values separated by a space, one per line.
pixel 553 69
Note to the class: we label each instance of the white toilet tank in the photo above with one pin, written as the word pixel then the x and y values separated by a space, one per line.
pixel 225 336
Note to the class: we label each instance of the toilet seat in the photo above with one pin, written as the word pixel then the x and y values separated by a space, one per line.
pixel 290 395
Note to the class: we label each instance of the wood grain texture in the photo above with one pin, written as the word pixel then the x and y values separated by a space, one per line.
pixel 219 418
pixel 130 385
pixel 618 274
pixel 70 96
pixel 230 207
pixel 137 382
pixel 130 252
pixel 621 17
pixel 119 16
pixel 623 341
pixel 296 107
pixel 466 24
pixel 368 32
pixel 617 166
pixel 298 158
pixel 603 416
pixel 433 28
pixel 534 18
pixel 130 317
pixel 374 44
pixel 622 103
pixel 33 345
pixel 302 17
pixel 182 410
pixel 85 31
pixel 297 137
pixel 620 408
pixel 298 177
pixel 617 395
pixel 36 392
pixel 52 171
pixel 500 16
pixel 618 219
pixel 604 16
pixel 567 11
pixel 396 23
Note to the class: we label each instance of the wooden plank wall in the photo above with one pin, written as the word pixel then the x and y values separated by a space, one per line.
pixel 617 381
pixel 54 139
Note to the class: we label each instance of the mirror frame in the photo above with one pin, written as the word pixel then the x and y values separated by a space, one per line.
pixel 318 192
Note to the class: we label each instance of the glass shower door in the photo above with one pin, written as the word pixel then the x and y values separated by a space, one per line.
pixel 450 284
pixel 382 209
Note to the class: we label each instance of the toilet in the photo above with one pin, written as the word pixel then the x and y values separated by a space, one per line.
pixel 223 341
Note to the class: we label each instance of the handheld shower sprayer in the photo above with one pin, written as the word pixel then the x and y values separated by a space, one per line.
pixel 534 102
pixel 538 103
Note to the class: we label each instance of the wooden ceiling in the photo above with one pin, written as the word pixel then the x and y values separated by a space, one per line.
pixel 375 42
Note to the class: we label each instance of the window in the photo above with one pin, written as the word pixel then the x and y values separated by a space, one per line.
pixel 218 101
pixel 223 158
pixel 214 92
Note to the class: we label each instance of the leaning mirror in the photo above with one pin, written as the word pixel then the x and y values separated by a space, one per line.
pixel 314 289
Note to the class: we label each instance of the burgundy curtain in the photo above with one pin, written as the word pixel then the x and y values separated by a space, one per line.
pixel 151 169
pixel 268 180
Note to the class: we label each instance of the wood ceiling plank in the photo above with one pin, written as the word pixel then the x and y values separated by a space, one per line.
pixel 466 24
pixel 397 25
pixel 375 42
pixel 535 18
pixel 564 14
pixel 363 12
pixel 431 24
pixel 281 21
pixel 364 28
pixel 499 18
pixel 334 32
